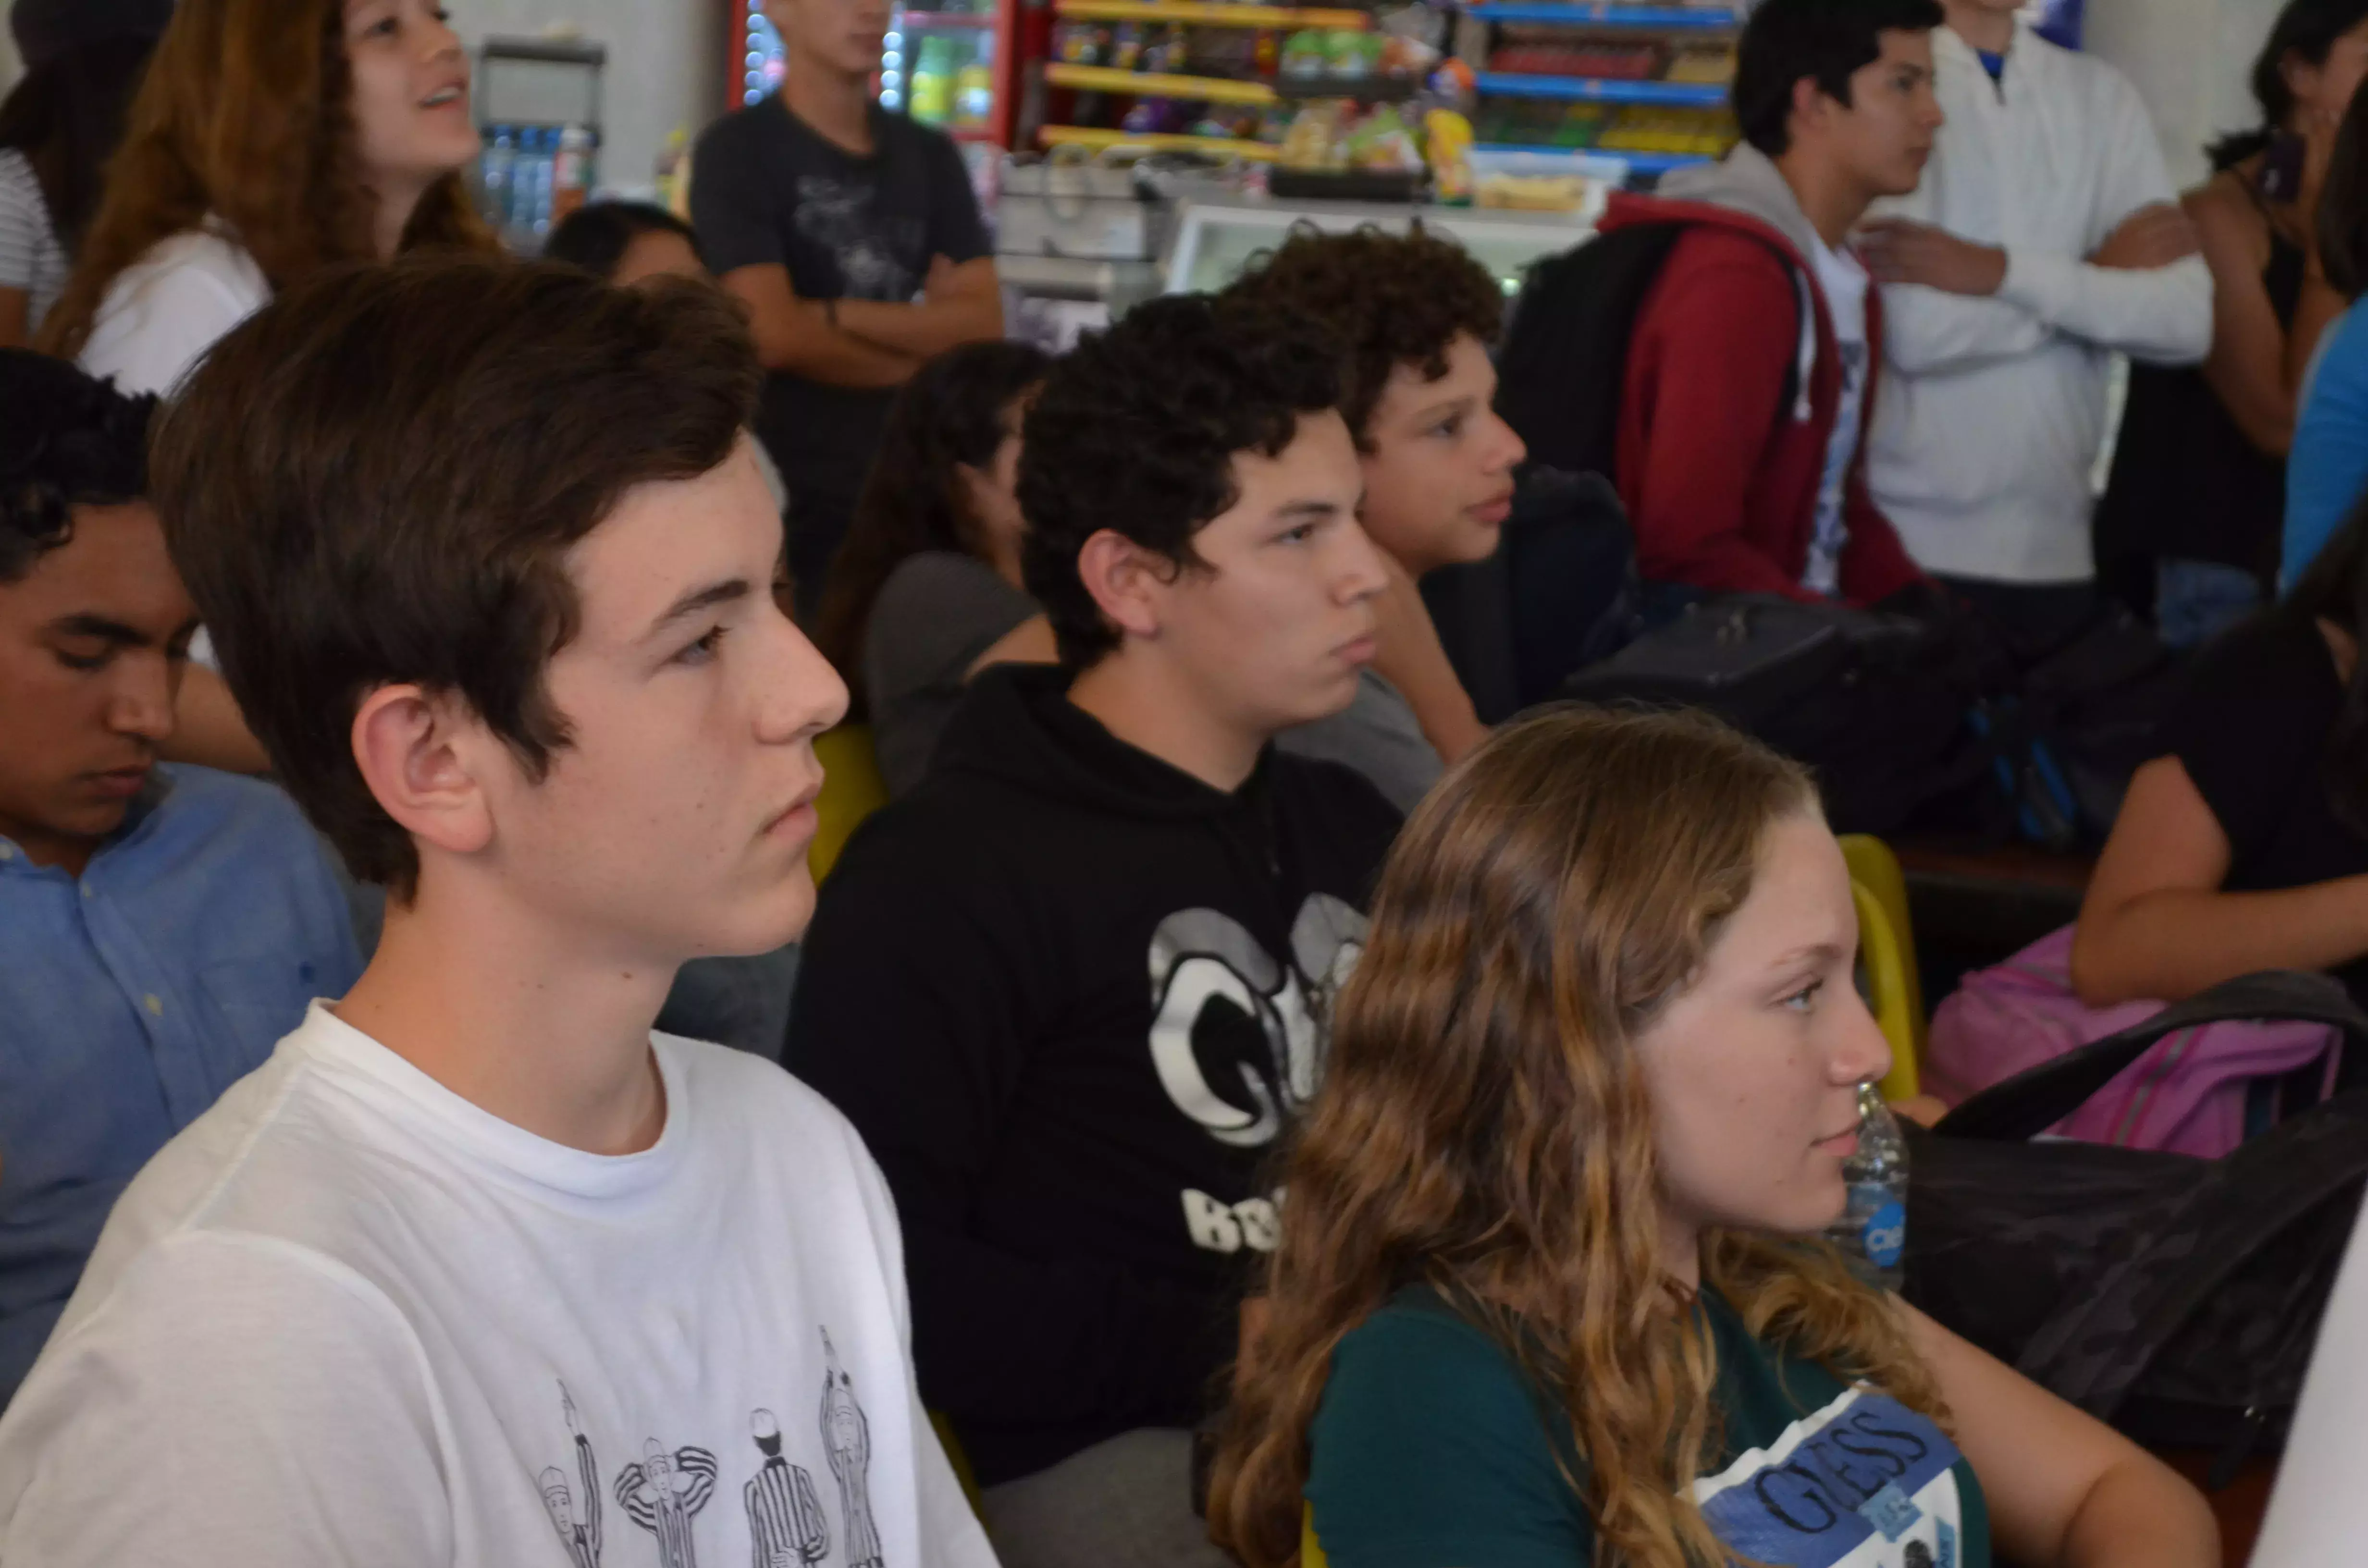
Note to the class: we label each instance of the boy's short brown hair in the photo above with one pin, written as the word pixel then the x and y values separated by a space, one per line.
pixel 1387 299
pixel 377 477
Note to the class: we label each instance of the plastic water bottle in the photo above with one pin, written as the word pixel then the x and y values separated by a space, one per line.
pixel 501 163
pixel 1873 1231
pixel 546 185
pixel 572 171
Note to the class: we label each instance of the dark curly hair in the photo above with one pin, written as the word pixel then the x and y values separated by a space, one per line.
pixel 1136 431
pixel 1389 300
pixel 949 414
pixel 65 441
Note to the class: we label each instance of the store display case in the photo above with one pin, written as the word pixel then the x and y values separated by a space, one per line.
pixel 1216 232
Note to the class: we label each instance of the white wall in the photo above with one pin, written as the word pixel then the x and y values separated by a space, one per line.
pixel 665 66
pixel 2190 59
pixel 10 66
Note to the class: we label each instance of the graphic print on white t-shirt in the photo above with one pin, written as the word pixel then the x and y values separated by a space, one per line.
pixel 668 1490
pixel 1865 1482
pixel 1844 283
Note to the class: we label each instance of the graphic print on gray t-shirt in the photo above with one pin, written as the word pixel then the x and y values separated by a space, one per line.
pixel 843 217
pixel 767 190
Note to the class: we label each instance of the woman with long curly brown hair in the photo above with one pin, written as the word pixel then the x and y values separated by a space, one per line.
pixel 271 138
pixel 1543 1296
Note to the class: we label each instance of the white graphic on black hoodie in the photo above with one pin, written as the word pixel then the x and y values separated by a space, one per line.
pixel 1209 978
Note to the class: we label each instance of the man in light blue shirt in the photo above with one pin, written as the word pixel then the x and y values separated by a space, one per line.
pixel 160 927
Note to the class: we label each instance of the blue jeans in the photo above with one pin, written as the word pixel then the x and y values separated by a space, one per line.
pixel 2194 601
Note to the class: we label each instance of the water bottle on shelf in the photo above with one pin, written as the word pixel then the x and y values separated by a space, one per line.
pixel 518 222
pixel 1873 1230
pixel 572 177
pixel 546 170
pixel 500 164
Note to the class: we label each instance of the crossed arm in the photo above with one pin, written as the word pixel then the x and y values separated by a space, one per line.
pixel 867 343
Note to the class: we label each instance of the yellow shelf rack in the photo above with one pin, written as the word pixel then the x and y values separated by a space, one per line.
pixel 1146 142
pixel 1198 14
pixel 1153 84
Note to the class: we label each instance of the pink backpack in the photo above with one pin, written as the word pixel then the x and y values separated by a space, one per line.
pixel 2186 1094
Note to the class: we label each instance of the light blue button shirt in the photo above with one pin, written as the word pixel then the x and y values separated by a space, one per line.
pixel 130 999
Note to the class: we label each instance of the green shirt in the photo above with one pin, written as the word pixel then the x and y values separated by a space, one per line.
pixel 1431 1450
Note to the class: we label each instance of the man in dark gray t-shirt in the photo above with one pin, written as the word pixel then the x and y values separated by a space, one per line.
pixel 854 239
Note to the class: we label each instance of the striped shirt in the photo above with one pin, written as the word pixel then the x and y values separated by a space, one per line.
pixel 31 259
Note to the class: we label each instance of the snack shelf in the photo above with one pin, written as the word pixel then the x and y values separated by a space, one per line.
pixel 1589 89
pixel 1193 14
pixel 1661 18
pixel 1150 142
pixel 1153 84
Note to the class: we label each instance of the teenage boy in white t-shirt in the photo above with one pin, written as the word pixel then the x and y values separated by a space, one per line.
pixel 476 1270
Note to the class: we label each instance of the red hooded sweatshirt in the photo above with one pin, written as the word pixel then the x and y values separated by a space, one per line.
pixel 1721 483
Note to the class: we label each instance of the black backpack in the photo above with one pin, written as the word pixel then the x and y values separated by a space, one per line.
pixel 1560 592
pixel 2176 1297
pixel 1873 704
pixel 1563 369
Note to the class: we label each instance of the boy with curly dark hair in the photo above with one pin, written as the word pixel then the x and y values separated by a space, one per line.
pixel 1072 987
pixel 129 1000
pixel 1415 317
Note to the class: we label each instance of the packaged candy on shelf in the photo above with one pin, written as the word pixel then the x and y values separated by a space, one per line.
pixel 1381 141
pixel 1447 139
pixel 1352 57
pixel 1164 51
pixel 1306 57
pixel 1311 142
pixel 1404 56
pixel 1126 47
pixel 1081 44
pixel 1703 65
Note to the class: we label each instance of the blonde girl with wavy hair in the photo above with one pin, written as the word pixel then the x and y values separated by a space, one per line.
pixel 1543 1296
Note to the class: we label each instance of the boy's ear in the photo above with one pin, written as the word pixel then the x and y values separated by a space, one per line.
pixel 412 747
pixel 1129 583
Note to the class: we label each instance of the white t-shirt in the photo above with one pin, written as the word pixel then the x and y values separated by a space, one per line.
pixel 166 308
pixel 348 1318
pixel 31 259
pixel 1844 282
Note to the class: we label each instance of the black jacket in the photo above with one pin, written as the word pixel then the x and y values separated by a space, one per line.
pixel 1070 995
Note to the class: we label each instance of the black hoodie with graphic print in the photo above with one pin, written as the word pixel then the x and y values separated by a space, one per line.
pixel 1070 995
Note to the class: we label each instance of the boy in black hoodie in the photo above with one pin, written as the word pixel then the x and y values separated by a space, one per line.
pixel 1072 988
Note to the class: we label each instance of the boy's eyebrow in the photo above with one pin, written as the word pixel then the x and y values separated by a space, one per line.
pixel 110 631
pixel 697 599
pixel 1308 509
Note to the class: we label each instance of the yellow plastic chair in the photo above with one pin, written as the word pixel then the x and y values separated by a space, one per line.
pixel 1886 967
pixel 1874 867
pixel 959 1459
pixel 851 790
